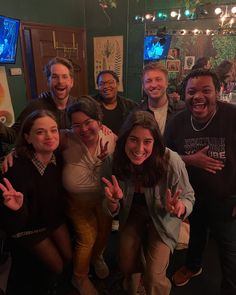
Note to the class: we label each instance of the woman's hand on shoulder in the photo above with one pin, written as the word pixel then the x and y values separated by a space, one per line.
pixel 8 161
pixel 11 198
pixel 104 150
pixel 105 130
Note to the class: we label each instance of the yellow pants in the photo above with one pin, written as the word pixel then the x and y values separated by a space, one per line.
pixel 92 228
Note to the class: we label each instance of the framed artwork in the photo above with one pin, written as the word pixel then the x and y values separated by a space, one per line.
pixel 108 55
pixel 173 53
pixel 173 65
pixel 6 109
pixel 189 61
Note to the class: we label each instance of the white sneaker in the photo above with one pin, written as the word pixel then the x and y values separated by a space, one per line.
pixel 101 268
pixel 84 286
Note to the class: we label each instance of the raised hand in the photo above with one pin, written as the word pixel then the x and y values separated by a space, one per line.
pixel 104 150
pixel 12 199
pixel 113 191
pixel 174 205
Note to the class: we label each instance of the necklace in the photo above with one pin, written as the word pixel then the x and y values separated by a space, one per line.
pixel 205 126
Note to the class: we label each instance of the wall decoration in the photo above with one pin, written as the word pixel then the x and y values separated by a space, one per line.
pixel 108 55
pixel 173 53
pixel 173 65
pixel 6 109
pixel 189 61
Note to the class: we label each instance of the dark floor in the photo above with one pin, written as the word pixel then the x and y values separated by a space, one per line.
pixel 207 283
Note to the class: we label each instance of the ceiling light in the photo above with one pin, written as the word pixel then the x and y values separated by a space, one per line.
pixel 148 16
pixel 233 10
pixel 139 18
pixel 218 11
pixel 187 13
pixel 173 13
pixel 204 12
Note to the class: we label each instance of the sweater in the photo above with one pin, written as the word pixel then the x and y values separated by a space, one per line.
pixel 44 202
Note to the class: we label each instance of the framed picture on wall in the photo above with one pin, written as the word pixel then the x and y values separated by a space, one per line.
pixel 173 65
pixel 173 53
pixel 108 55
pixel 189 61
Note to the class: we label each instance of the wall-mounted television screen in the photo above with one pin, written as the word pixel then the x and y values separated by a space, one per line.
pixel 156 47
pixel 9 31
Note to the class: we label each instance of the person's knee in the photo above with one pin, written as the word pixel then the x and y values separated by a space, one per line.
pixel 58 266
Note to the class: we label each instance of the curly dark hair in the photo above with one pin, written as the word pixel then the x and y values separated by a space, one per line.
pixel 154 168
pixel 199 73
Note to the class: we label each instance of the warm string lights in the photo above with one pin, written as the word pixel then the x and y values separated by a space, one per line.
pixel 195 32
pixel 225 15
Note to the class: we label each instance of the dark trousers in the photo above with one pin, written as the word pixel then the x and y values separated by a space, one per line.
pixel 206 215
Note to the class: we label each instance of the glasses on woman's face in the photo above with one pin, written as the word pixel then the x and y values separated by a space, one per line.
pixel 78 126
pixel 106 83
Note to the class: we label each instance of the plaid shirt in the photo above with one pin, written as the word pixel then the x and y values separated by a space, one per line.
pixel 40 166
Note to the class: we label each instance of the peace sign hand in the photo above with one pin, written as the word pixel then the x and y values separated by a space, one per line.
pixel 174 205
pixel 12 199
pixel 104 150
pixel 113 192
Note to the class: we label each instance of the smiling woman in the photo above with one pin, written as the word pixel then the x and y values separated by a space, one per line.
pixel 28 211
pixel 85 148
pixel 148 186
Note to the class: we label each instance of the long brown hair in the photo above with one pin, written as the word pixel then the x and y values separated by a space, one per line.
pixel 154 167
pixel 23 148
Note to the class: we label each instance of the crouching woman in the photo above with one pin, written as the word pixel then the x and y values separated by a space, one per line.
pixel 147 184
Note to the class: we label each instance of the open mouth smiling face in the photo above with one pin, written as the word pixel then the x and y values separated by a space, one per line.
pixel 200 96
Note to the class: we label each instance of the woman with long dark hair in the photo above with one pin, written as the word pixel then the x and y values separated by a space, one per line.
pixel 148 185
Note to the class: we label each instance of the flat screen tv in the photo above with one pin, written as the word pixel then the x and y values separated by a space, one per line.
pixel 9 31
pixel 156 47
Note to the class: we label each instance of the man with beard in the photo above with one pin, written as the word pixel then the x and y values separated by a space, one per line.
pixel 155 83
pixel 205 136
pixel 115 108
pixel 59 73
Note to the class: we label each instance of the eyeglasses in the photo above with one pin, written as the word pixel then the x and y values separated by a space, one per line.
pixel 85 124
pixel 108 83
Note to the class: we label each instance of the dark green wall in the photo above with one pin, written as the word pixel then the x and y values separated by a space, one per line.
pixel 64 12
pixel 88 14
pixel 120 23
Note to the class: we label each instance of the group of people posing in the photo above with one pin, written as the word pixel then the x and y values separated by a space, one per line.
pixel 153 167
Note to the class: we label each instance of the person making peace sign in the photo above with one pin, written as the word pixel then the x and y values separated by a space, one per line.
pixel 147 184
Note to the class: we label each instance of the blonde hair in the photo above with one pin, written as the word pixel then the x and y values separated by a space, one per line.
pixel 153 66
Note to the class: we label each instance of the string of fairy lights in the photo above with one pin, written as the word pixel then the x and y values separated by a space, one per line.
pixel 223 15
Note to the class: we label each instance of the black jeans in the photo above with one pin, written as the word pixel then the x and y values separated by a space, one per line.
pixel 216 217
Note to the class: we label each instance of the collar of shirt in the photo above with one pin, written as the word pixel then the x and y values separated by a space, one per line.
pixel 42 167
